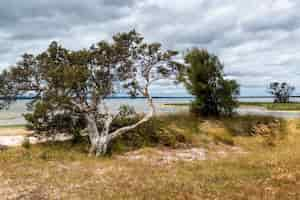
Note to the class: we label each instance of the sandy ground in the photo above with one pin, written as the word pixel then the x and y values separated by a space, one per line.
pixel 13 131
pixel 167 156
pixel 16 136
pixel 13 136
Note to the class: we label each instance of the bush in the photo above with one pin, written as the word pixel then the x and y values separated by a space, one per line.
pixel 26 143
pixel 45 120
pixel 152 133
pixel 281 91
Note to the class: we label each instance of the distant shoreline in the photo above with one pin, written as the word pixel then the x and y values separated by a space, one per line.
pixel 121 97
pixel 164 97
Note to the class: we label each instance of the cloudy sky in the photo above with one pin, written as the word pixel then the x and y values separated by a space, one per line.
pixel 257 40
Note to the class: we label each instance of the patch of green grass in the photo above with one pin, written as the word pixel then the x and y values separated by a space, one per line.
pixel 292 106
pixel 13 126
pixel 274 106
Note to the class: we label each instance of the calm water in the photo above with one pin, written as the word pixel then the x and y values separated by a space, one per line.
pixel 14 114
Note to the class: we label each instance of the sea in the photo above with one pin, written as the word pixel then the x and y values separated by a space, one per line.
pixel 14 115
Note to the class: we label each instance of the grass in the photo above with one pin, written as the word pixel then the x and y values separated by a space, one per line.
pixel 13 126
pixel 274 106
pixel 268 105
pixel 63 170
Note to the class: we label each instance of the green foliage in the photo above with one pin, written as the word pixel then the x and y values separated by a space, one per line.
pixel 125 112
pixel 77 138
pixel 144 135
pixel 156 132
pixel 26 143
pixel 204 78
pixel 44 119
pixel 281 91
pixel 70 86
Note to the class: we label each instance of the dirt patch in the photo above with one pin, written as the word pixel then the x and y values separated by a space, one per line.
pixel 17 140
pixel 167 156
pixel 26 192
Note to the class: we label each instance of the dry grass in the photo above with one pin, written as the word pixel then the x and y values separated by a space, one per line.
pixel 63 171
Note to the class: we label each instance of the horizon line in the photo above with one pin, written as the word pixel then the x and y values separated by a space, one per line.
pixel 159 97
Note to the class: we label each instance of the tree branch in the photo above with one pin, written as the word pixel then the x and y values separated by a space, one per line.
pixel 146 118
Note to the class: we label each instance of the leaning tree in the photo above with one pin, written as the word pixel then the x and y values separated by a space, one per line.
pixel 73 85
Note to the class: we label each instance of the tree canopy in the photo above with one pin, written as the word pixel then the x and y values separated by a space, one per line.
pixel 203 77
pixel 70 86
pixel 281 91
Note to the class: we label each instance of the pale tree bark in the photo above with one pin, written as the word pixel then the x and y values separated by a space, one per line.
pixel 101 140
pixel 92 131
pixel 104 139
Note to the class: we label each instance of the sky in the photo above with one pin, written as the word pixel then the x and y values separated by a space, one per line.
pixel 258 41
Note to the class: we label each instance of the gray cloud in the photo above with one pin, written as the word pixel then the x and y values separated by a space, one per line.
pixel 256 40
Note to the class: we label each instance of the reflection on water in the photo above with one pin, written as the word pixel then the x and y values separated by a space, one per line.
pixel 14 114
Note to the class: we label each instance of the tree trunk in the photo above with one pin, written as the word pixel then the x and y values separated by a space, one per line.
pixel 92 131
pixel 104 138
pixel 100 140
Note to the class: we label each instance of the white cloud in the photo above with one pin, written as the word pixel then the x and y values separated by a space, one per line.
pixel 256 40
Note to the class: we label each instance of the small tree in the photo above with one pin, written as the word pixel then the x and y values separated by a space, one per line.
pixel 203 77
pixel 281 91
pixel 71 86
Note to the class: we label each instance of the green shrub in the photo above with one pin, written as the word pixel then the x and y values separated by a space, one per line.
pixel 155 132
pixel 26 143
pixel 44 119
pixel 144 135
pixel 77 138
